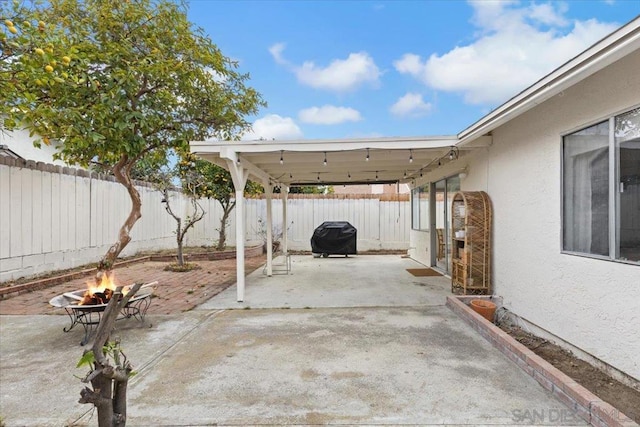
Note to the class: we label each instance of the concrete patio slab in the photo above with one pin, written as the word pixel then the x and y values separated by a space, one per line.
pixel 356 366
pixel 38 375
pixel 337 281
pixel 379 347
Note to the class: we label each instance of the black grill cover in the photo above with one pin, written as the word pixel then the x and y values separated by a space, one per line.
pixel 334 238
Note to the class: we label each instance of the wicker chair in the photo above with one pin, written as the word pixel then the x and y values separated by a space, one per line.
pixel 440 235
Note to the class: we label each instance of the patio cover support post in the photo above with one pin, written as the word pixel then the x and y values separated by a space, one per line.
pixel 239 176
pixel 268 191
pixel 284 192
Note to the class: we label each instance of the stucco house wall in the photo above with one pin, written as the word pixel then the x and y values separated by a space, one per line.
pixel 21 143
pixel 591 304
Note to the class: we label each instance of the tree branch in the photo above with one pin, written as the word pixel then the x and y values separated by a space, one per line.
pixel 89 396
pixel 115 305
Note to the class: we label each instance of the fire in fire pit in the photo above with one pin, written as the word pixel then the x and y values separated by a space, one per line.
pixel 85 307
pixel 100 294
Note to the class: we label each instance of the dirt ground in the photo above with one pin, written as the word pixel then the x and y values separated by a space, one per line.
pixel 599 383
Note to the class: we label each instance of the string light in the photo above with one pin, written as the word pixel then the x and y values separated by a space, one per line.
pixel 405 174
pixel 454 152
pixel 376 175
pixel 410 156
pixel 324 163
pixel 349 175
pixel 290 175
pixel 281 158
pixel 318 176
pixel 367 158
pixel 420 173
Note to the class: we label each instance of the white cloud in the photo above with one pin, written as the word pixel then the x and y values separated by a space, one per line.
pixel 329 115
pixel 276 52
pixel 273 126
pixel 217 77
pixel 547 15
pixel 514 47
pixel 341 75
pixel 411 105
pixel 410 63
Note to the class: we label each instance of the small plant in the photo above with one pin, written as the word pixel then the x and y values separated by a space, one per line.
pixel 276 234
pixel 182 268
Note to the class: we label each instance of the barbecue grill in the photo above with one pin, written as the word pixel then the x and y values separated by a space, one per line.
pixel 334 238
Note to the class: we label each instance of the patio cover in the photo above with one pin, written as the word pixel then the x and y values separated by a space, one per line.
pixel 322 162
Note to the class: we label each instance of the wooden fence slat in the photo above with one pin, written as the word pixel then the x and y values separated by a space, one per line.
pixel 37 216
pixel 26 211
pixel 46 212
pixel 6 212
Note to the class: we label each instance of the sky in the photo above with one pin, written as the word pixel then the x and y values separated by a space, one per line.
pixel 359 69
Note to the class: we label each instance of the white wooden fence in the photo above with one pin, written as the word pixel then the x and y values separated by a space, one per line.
pixel 54 218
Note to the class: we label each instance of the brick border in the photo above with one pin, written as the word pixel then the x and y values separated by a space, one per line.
pixel 8 291
pixel 585 404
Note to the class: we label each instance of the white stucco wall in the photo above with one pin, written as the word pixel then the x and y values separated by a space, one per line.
pixel 21 143
pixel 592 304
pixel 420 249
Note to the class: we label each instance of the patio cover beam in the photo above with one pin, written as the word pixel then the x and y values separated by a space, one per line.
pixel 239 175
pixel 284 191
pixel 268 191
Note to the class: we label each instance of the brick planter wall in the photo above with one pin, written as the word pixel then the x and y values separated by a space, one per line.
pixel 584 403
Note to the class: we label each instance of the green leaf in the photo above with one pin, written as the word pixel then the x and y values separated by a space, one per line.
pixel 87 359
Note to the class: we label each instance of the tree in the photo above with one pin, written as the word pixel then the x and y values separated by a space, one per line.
pixel 191 183
pixel 119 81
pixel 312 189
pixel 216 184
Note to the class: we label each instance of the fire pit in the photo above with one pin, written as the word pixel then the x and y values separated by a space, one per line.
pixel 85 307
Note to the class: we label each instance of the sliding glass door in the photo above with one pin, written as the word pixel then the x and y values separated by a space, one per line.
pixel 443 195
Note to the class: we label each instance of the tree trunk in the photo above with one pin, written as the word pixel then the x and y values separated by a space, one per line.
pixel 109 394
pixel 122 171
pixel 180 238
pixel 226 210
pixel 120 402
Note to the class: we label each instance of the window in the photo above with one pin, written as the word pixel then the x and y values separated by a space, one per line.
pixel 601 189
pixel 420 208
